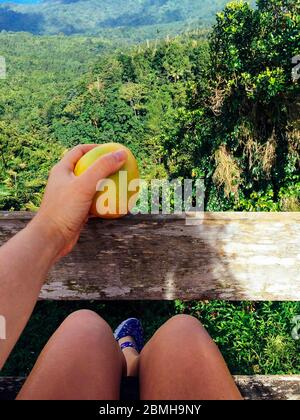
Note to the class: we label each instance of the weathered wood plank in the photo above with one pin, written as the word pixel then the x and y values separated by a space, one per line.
pixel 251 387
pixel 269 387
pixel 231 256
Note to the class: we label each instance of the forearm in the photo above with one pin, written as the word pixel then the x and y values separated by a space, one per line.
pixel 24 263
pixel 26 258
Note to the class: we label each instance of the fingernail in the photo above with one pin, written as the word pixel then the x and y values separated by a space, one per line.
pixel 120 155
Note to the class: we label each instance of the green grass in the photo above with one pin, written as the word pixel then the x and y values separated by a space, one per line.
pixel 255 338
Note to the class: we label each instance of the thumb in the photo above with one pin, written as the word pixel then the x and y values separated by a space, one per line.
pixel 104 167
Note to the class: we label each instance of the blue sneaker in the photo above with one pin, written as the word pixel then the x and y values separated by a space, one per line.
pixel 132 327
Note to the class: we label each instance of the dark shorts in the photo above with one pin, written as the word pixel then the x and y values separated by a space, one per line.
pixel 130 389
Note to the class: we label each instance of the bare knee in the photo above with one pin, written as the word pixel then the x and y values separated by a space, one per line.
pixel 81 351
pixel 183 325
pixel 85 318
pixel 182 332
pixel 184 320
pixel 85 328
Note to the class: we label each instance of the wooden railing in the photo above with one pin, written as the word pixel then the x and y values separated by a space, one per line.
pixel 229 256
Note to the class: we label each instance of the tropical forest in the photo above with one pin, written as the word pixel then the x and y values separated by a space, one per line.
pixel 195 89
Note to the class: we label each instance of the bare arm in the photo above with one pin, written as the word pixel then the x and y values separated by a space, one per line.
pixel 27 257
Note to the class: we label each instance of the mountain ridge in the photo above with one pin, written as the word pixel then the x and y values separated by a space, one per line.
pixel 92 17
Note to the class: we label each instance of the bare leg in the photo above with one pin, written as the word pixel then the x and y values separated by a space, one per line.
pixel 132 358
pixel 182 362
pixel 81 361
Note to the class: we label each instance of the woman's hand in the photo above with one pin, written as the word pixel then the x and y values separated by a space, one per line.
pixel 27 257
pixel 68 198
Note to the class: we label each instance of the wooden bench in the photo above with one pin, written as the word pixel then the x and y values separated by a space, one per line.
pixel 229 256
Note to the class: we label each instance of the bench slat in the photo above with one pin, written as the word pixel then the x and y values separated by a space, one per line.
pixel 269 387
pixel 251 387
pixel 229 256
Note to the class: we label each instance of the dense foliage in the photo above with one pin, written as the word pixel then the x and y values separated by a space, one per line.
pixel 38 77
pixel 256 103
pixel 227 110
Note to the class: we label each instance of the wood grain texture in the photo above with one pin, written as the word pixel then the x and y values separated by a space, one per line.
pixel 269 387
pixel 230 256
pixel 251 387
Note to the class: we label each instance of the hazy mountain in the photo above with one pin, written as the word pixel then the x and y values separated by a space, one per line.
pixel 96 16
